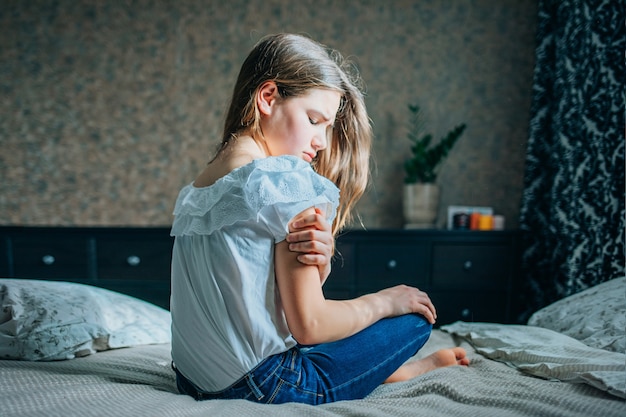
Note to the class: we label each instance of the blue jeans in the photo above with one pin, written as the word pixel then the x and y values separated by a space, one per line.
pixel 347 369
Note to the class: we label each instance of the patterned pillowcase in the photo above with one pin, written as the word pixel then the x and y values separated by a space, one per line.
pixel 595 316
pixel 50 320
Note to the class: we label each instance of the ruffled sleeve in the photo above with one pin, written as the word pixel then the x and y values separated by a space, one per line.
pixel 280 188
pixel 270 191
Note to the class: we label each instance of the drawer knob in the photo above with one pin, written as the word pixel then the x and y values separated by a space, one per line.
pixel 467 265
pixel 133 260
pixel 392 264
pixel 48 259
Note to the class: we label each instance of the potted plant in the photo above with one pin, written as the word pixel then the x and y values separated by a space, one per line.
pixel 421 193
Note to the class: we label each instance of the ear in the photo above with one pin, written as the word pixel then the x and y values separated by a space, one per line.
pixel 266 97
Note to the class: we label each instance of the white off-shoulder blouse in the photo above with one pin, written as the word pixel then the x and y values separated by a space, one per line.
pixel 226 310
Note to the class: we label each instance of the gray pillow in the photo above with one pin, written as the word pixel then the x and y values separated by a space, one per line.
pixel 595 316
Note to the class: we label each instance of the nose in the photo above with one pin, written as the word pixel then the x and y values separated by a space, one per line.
pixel 320 141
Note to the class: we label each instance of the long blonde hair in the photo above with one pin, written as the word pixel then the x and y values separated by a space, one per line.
pixel 297 64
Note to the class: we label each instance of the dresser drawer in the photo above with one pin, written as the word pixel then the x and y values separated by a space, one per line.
pixel 470 307
pixel 459 266
pixel 50 257
pixel 124 258
pixel 382 265
pixel 340 285
pixel 5 257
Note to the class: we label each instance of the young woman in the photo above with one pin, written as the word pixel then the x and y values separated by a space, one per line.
pixel 249 318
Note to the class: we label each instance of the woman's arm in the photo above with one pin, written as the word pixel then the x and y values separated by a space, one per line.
pixel 312 319
pixel 310 234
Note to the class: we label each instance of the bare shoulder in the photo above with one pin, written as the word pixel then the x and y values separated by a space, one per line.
pixel 209 175
pixel 236 154
pixel 220 167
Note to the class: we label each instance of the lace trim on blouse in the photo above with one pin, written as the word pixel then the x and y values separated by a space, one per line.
pixel 244 192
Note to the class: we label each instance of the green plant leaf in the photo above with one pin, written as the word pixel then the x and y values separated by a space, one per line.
pixel 422 166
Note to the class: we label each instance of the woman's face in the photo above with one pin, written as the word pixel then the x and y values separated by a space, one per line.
pixel 299 126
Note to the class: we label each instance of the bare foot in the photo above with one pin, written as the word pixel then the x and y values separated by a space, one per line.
pixel 439 359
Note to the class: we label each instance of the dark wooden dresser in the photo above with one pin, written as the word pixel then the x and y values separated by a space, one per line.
pixel 469 275
pixel 136 260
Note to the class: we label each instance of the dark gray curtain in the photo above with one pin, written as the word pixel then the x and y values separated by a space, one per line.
pixel 573 201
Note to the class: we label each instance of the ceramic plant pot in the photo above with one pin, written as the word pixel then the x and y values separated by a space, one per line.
pixel 420 205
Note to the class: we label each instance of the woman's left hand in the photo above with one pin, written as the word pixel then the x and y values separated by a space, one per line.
pixel 311 235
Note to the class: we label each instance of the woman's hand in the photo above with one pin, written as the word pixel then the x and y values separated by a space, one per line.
pixel 403 299
pixel 311 235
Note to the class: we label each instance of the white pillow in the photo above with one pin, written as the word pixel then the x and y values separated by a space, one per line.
pixel 51 320
pixel 595 316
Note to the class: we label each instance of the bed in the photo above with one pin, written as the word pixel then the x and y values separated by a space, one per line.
pixel 69 349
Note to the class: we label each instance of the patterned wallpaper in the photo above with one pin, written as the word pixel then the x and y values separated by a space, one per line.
pixel 108 108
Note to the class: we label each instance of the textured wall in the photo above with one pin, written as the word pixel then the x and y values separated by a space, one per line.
pixel 108 108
